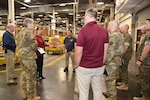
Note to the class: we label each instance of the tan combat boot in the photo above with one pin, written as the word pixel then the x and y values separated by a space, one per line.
pixel 36 98
pixel 138 98
pixel 146 98
pixel 106 94
pixel 112 98
pixel 25 96
pixel 119 83
pixel 123 87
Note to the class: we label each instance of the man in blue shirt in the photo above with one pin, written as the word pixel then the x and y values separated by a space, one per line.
pixel 9 46
pixel 69 43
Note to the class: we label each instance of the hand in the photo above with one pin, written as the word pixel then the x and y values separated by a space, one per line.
pixel 32 36
pixel 73 50
pixel 76 67
pixel 139 63
pixel 65 51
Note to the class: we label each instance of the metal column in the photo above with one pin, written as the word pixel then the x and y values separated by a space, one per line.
pixel 11 11
pixel 74 18
pixel 53 21
pixel 133 30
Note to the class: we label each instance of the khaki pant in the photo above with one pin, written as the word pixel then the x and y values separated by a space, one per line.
pixel 9 57
pixel 87 77
pixel 68 54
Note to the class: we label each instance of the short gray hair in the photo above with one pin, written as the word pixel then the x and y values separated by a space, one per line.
pixel 10 25
pixel 92 12
pixel 27 21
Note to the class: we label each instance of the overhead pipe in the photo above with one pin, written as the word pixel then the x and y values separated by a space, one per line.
pixel 22 3
pixel 34 6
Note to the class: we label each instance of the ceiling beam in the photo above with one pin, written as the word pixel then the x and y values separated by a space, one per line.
pixel 22 3
pixel 51 5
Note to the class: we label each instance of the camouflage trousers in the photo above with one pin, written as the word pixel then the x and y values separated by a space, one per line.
pixel 29 77
pixel 144 78
pixel 110 80
pixel 123 71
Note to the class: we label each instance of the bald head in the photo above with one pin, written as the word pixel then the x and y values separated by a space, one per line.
pixel 143 29
pixel 113 26
pixel 124 28
pixel 10 27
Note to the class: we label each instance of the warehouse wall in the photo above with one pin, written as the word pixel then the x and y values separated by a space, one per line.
pixel 124 19
pixel 142 15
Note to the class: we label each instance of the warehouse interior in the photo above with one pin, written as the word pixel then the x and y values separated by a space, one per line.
pixel 56 17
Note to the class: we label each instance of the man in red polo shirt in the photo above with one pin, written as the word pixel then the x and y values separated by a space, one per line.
pixel 90 54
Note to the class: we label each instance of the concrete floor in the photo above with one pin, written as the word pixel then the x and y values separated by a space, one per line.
pixel 59 85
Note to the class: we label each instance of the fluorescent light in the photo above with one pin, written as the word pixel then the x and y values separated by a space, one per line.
pixel 98 12
pixel 56 12
pixel 78 15
pixel 70 14
pixel 62 4
pixel 22 7
pixel 27 1
pixel 100 3
pixel 58 17
pixel 40 15
pixel 63 21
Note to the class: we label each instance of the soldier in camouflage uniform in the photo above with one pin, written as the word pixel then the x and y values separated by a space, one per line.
pixel 126 57
pixel 143 30
pixel 27 47
pixel 113 60
pixel 143 61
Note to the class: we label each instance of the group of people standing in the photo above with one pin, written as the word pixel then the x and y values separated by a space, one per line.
pixel 29 57
pixel 97 51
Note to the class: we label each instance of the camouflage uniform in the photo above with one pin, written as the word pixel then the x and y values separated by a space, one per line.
pixel 113 60
pixel 126 58
pixel 144 70
pixel 27 48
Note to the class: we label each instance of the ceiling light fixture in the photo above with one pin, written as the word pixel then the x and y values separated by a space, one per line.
pixel 22 8
pixel 27 1
pixel 56 12
pixel 62 5
pixel 40 15
pixel 100 3
pixel 70 13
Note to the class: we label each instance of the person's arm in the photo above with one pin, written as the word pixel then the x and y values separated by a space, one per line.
pixel 105 51
pixel 6 40
pixel 127 43
pixel 78 55
pixel 144 54
pixel 30 38
pixel 111 48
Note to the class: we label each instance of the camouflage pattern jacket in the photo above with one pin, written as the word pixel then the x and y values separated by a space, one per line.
pixel 128 41
pixel 144 41
pixel 116 47
pixel 27 45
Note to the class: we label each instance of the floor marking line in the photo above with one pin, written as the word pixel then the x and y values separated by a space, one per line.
pixel 54 61
pixel 47 65
pixel 3 71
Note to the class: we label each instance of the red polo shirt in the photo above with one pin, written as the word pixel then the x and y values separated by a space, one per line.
pixel 92 38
